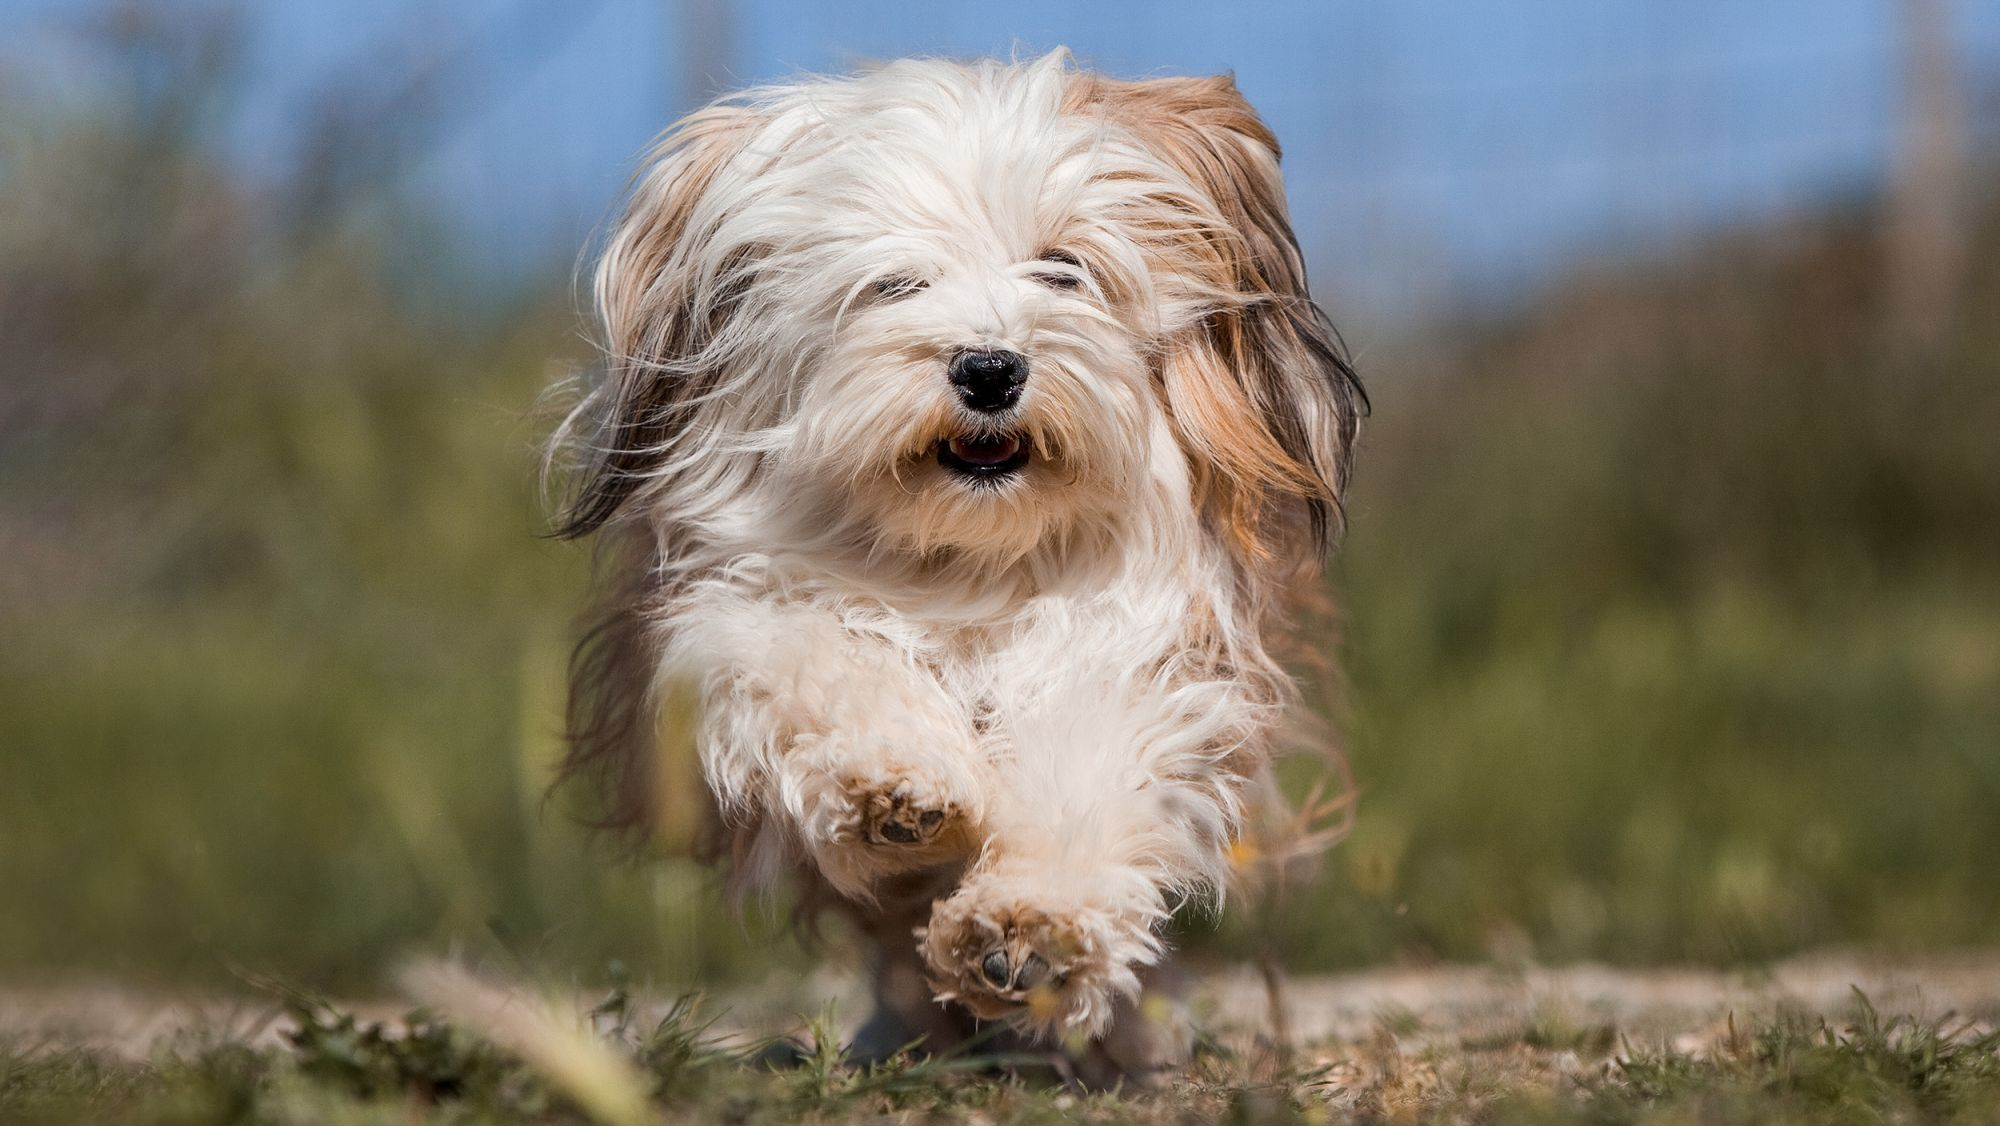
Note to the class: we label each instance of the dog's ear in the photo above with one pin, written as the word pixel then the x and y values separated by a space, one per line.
pixel 1260 390
pixel 661 300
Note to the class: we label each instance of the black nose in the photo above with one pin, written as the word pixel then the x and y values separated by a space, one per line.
pixel 989 381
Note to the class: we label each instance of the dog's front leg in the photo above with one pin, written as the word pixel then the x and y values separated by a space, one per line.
pixel 829 732
pixel 1113 805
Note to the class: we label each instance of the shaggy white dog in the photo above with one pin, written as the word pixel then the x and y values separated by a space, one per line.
pixel 963 428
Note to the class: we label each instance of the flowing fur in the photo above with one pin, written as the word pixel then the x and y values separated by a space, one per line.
pixel 1045 701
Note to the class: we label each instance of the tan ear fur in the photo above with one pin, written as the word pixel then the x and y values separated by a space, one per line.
pixel 654 316
pixel 1260 392
pixel 655 322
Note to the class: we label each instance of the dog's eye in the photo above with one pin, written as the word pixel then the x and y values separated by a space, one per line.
pixel 898 286
pixel 1071 278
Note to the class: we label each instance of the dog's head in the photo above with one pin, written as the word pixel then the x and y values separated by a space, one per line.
pixel 967 308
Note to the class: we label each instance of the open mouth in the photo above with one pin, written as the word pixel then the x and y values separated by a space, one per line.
pixel 984 457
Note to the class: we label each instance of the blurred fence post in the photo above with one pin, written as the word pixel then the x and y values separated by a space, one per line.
pixel 1924 254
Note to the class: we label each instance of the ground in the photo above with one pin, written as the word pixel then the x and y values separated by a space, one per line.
pixel 1826 1038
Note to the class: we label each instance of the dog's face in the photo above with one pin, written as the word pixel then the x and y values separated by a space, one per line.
pixel 980 323
pixel 966 308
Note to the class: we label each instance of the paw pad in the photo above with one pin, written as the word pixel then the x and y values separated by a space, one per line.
pixel 899 819
pixel 1006 962
pixel 1000 973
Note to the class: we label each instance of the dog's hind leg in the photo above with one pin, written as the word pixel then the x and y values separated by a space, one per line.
pixel 905 1015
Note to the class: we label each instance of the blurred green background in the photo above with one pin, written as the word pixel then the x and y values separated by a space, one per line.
pixel 1671 593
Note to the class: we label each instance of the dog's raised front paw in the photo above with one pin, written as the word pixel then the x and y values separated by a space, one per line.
pixel 1001 951
pixel 866 817
pixel 903 816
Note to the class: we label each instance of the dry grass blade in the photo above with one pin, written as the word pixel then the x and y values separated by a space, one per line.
pixel 558 1044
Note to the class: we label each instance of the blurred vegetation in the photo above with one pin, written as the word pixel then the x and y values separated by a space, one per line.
pixel 1672 599
pixel 1674 619
pixel 282 686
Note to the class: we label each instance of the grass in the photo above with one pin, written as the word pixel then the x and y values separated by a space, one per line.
pixel 334 1067
pixel 1873 1067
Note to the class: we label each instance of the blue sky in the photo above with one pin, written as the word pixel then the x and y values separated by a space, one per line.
pixel 1435 149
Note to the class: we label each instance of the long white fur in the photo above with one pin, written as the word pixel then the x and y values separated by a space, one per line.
pixel 854 615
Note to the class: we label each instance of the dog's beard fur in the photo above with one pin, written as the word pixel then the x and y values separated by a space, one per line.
pixel 1057 678
pixel 858 460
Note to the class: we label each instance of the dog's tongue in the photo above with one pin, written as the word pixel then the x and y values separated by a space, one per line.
pixel 985 451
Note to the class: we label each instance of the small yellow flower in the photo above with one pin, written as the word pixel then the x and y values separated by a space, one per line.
pixel 1042 1003
pixel 1242 853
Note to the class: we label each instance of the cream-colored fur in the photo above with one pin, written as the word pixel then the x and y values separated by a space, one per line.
pixel 1051 686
